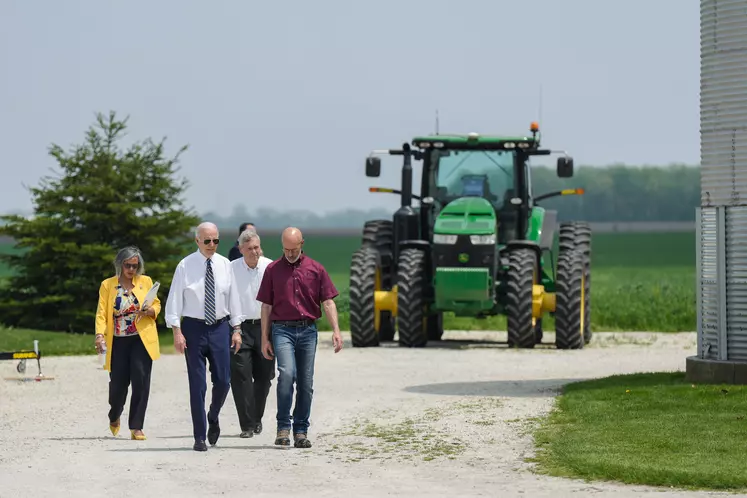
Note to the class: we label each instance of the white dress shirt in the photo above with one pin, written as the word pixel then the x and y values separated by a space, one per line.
pixel 187 292
pixel 247 283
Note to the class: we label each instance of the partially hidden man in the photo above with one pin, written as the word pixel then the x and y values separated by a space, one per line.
pixel 251 372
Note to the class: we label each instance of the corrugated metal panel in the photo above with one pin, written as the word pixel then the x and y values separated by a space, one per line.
pixel 723 102
pixel 708 288
pixel 736 282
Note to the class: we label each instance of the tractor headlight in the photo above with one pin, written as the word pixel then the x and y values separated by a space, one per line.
pixel 482 240
pixel 440 238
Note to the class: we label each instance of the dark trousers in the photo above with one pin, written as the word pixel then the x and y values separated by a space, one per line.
pixel 251 376
pixel 211 343
pixel 130 365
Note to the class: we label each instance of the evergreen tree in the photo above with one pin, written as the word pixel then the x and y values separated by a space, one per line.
pixel 103 199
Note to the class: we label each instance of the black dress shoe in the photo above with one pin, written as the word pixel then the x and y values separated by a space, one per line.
pixel 258 428
pixel 213 433
pixel 200 446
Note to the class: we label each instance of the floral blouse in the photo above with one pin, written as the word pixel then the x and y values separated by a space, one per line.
pixel 125 306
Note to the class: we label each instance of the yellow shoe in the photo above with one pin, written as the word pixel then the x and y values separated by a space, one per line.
pixel 138 437
pixel 114 427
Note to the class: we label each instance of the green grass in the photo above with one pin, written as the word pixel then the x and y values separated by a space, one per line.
pixel 652 429
pixel 640 281
pixel 59 344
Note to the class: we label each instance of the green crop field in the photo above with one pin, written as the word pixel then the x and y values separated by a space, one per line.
pixel 640 281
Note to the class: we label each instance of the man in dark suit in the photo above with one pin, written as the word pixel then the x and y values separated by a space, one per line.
pixel 235 253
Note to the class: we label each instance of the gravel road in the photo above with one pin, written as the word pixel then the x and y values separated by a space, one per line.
pixel 467 402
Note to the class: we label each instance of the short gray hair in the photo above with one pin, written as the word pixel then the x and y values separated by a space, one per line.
pixel 205 224
pixel 126 253
pixel 248 235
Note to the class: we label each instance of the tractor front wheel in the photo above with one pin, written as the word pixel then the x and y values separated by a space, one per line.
pixel 522 268
pixel 411 321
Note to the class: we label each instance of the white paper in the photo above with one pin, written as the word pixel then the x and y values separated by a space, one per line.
pixel 150 296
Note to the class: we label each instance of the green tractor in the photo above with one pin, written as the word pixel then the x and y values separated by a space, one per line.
pixel 478 245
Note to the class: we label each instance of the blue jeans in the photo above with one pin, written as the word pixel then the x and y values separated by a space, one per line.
pixel 295 351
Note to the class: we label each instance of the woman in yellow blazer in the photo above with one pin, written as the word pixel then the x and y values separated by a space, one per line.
pixel 130 336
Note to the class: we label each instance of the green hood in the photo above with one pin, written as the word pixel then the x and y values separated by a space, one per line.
pixel 466 215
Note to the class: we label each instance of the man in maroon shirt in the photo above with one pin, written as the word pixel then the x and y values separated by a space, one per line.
pixel 292 292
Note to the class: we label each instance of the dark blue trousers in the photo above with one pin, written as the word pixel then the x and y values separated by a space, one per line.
pixel 211 343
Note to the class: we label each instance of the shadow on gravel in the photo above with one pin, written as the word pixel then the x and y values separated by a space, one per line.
pixel 469 344
pixel 83 438
pixel 539 388
pixel 210 448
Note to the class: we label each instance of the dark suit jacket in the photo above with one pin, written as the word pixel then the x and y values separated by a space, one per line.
pixel 234 252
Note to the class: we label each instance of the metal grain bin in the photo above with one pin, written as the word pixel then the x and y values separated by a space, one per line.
pixel 723 102
pixel 721 220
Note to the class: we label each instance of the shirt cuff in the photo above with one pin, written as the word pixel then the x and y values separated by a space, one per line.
pixel 172 322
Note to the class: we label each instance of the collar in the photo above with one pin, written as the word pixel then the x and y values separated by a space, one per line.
pixel 204 258
pixel 298 261
pixel 247 267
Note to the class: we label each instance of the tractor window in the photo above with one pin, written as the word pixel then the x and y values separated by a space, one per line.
pixel 480 173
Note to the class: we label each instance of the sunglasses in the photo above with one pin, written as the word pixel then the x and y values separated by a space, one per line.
pixel 130 266
pixel 208 241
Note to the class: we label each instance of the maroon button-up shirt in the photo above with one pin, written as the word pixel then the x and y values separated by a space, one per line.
pixel 295 291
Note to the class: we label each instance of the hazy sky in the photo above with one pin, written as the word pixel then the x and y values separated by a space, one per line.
pixel 280 104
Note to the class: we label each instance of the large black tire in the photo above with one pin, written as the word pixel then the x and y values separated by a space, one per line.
pixel 522 267
pixel 379 235
pixel 362 310
pixel 410 303
pixel 576 235
pixel 568 298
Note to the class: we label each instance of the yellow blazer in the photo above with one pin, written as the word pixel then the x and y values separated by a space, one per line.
pixel 146 326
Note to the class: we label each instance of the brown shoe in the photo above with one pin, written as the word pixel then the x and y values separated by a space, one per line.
pixel 283 438
pixel 301 441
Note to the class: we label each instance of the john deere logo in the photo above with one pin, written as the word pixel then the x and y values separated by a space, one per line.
pixel 464 257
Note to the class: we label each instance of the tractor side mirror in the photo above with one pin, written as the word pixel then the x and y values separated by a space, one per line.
pixel 565 167
pixel 373 167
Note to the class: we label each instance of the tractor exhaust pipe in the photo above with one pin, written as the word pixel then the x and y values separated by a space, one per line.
pixel 407 176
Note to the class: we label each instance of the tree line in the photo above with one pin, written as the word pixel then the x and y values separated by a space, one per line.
pixel 623 193
pixel 611 193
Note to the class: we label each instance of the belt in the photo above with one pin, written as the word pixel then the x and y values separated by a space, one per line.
pixel 295 323
pixel 217 322
pixel 252 321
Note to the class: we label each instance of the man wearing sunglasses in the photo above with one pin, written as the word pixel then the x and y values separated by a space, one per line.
pixel 203 300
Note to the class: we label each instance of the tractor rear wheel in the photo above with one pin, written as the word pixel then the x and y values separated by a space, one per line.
pixel 379 235
pixel 361 300
pixel 576 235
pixel 411 321
pixel 522 268
pixel 569 301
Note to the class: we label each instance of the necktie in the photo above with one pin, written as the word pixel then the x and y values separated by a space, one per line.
pixel 209 294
